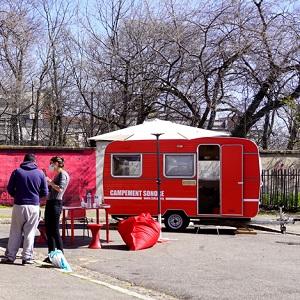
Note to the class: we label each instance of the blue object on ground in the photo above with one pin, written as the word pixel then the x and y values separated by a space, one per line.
pixel 58 260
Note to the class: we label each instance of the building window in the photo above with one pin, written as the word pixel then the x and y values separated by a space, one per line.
pixel 179 165
pixel 126 165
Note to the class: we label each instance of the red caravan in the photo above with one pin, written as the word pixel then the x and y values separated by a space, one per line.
pixel 202 178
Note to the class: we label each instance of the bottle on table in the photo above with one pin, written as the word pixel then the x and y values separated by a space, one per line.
pixel 96 201
pixel 89 199
pixel 83 204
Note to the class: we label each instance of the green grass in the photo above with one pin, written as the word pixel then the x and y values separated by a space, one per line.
pixel 289 201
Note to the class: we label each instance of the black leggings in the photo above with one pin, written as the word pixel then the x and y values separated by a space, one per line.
pixel 52 216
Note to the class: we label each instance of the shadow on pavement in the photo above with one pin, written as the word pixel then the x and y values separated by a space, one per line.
pixel 17 263
pixel 68 244
pixel 288 243
pixel 115 247
pixel 78 243
pixel 3 242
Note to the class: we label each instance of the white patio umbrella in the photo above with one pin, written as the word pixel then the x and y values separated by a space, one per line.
pixel 146 130
pixel 157 130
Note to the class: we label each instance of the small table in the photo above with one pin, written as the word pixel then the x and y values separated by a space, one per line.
pixel 71 210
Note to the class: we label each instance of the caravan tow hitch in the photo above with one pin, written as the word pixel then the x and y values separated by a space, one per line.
pixel 283 220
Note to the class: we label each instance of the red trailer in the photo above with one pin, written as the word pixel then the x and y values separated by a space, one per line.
pixel 202 178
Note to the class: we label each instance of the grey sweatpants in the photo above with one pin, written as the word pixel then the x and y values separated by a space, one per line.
pixel 24 221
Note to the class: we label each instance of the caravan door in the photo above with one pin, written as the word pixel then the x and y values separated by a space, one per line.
pixel 232 180
pixel 209 179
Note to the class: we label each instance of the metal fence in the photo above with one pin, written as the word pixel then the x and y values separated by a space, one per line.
pixel 280 188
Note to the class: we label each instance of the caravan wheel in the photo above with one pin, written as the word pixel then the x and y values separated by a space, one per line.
pixel 176 221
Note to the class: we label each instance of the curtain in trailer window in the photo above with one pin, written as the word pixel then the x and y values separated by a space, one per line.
pixel 209 162
pixel 126 165
pixel 209 170
pixel 179 165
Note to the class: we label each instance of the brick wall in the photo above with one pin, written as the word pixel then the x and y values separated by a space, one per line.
pixel 79 163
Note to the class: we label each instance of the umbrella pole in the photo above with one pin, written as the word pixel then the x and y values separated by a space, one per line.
pixel 158 181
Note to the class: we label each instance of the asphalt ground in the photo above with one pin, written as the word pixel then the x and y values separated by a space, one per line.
pixel 34 282
pixel 265 265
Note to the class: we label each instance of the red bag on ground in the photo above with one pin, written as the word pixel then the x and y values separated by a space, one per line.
pixel 139 232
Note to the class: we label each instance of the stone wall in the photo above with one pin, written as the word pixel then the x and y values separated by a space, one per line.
pixel 280 159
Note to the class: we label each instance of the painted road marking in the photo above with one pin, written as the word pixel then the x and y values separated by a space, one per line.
pixel 113 287
pixel 99 282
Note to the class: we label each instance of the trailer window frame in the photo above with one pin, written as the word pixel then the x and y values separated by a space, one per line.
pixel 193 155
pixel 210 162
pixel 126 155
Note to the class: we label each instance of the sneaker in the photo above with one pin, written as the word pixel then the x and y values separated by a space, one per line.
pixel 6 261
pixel 47 260
pixel 27 261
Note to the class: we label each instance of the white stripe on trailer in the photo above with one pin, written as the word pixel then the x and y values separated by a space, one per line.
pixel 251 200
pixel 123 198
pixel 181 199
pixel 147 198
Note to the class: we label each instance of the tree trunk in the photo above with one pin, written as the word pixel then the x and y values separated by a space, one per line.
pixel 211 120
pixel 35 126
pixel 265 136
pixel 15 136
pixel 294 132
pixel 246 120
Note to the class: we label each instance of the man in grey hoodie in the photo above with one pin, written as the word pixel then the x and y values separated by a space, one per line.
pixel 26 185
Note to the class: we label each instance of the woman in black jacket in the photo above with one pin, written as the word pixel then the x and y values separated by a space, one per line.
pixel 57 188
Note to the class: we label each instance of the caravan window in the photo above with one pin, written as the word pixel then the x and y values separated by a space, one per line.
pixel 209 162
pixel 126 165
pixel 179 165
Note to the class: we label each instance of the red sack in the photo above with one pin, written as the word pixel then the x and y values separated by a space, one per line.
pixel 139 232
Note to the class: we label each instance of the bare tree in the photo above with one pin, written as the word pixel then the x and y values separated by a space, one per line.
pixel 198 71
pixel 294 128
pixel 16 38
pixel 271 64
pixel 56 15
pixel 120 62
